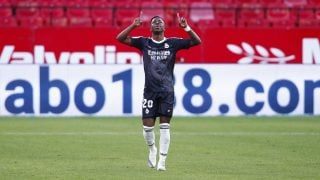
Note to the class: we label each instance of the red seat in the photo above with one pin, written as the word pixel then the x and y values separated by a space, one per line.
pixel 59 21
pixel 4 3
pixel 31 22
pixel 279 17
pixel 201 11
pixel 52 12
pixel 5 11
pixel 251 18
pixel 125 16
pixel 27 12
pixel 307 18
pixel 226 17
pixel 101 3
pixel 102 12
pixel 295 3
pixel 102 17
pixel 77 3
pixel 272 3
pixel 150 9
pixel 223 3
pixel 172 9
pixel 207 24
pixel 80 22
pixel 314 3
pixel 78 11
pixel 102 23
pixel 8 21
pixel 247 3
pixel 127 3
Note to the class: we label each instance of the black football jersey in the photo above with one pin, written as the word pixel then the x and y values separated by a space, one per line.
pixel 158 60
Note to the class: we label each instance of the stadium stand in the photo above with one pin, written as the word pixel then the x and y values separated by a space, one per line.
pixel 119 13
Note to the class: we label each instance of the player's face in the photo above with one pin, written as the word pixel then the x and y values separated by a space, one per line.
pixel 157 25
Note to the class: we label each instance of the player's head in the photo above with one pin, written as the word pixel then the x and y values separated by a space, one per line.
pixel 157 24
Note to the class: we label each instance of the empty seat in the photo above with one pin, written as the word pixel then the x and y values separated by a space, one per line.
pixel 280 17
pixel 251 18
pixel 207 24
pixel 295 3
pixel 307 18
pixel 102 23
pixel 4 3
pixel 201 11
pixel 8 21
pixel 78 12
pixel 314 3
pixel 223 3
pixel 125 16
pixel 226 17
pixel 171 10
pixel 59 21
pixel 31 22
pixel 102 17
pixel 150 9
pixel 27 11
pixel 5 12
pixel 101 3
pixel 80 22
pixel 247 3
pixel 127 3
pixel 272 3
pixel 105 12
pixel 77 3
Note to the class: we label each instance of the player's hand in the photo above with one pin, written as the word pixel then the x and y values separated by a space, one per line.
pixel 138 21
pixel 182 21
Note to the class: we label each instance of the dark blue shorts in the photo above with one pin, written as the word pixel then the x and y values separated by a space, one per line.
pixel 157 104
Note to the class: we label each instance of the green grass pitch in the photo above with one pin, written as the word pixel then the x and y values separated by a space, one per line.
pixel 201 148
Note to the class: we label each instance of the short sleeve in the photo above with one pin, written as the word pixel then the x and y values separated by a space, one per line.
pixel 182 43
pixel 137 42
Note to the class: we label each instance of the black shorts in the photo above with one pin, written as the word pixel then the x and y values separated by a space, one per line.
pixel 157 104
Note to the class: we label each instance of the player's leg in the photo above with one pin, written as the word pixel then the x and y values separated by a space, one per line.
pixel 149 137
pixel 165 111
pixel 148 121
pixel 164 142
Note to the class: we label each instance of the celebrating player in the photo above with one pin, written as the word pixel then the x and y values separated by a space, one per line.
pixel 159 54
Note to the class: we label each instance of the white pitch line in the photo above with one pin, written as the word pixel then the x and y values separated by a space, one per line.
pixel 173 133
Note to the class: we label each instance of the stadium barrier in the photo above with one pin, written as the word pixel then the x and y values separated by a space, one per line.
pixel 201 90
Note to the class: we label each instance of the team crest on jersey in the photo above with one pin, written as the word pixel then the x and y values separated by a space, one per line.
pixel 166 45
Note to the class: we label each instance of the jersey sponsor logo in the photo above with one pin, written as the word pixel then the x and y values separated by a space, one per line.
pixel 158 55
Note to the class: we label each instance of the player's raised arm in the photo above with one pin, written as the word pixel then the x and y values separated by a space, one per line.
pixel 123 36
pixel 194 37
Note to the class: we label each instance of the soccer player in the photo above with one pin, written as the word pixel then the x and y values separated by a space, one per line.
pixel 159 54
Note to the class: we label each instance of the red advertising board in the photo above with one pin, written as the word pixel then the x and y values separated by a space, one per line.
pixel 99 46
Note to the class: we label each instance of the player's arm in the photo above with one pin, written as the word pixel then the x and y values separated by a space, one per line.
pixel 123 36
pixel 195 39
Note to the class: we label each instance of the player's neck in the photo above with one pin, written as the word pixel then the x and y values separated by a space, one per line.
pixel 158 37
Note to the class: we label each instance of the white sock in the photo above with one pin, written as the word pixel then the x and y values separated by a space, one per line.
pixel 149 137
pixel 164 140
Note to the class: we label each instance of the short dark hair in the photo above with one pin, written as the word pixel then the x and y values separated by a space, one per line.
pixel 156 17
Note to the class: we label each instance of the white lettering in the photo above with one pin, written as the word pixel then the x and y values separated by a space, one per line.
pixel 22 58
pixel 6 54
pixel 81 58
pixel 110 54
pixel 39 55
pixel 99 54
pixel 128 58
pixel 310 51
